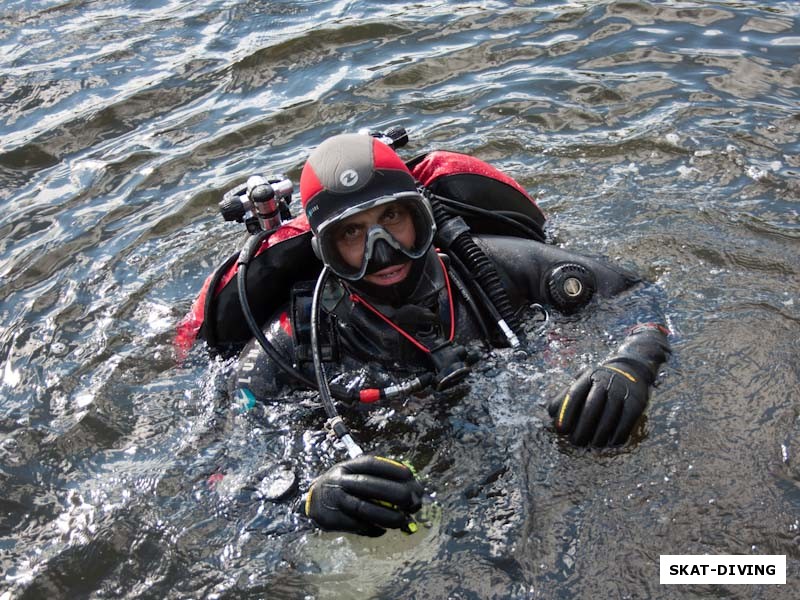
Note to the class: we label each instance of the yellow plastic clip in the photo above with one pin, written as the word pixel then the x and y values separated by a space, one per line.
pixel 410 527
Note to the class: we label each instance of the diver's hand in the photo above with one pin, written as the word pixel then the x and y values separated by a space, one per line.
pixel 365 495
pixel 603 405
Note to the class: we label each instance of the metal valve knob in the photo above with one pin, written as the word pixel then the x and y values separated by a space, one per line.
pixel 570 286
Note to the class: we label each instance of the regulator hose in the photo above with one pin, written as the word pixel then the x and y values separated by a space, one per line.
pixel 453 236
pixel 520 222
pixel 245 256
pixel 334 420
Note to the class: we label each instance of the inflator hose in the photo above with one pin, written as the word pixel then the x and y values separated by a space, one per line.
pixel 334 420
pixel 477 263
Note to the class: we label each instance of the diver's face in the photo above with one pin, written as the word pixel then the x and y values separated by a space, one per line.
pixel 352 235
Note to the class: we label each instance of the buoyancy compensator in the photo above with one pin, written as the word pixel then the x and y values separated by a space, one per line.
pixel 486 199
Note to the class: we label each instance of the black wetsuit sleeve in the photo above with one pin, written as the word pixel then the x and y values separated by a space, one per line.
pixel 527 267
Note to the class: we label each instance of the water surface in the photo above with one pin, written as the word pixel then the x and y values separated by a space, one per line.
pixel 660 135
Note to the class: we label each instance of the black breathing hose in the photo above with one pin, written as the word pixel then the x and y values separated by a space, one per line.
pixel 469 301
pixel 334 420
pixel 337 391
pixel 521 222
pixel 245 256
pixel 476 263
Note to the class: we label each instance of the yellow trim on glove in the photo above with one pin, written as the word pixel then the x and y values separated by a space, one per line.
pixel 564 403
pixel 392 462
pixel 621 372
pixel 308 500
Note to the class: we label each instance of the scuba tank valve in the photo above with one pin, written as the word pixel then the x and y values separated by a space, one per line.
pixel 266 197
pixel 261 203
pixel 394 137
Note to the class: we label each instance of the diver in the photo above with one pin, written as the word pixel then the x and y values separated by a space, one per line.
pixel 401 300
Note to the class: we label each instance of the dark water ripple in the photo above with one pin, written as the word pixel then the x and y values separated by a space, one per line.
pixel 661 135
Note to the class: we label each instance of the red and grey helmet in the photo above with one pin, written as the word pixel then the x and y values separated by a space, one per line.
pixel 351 173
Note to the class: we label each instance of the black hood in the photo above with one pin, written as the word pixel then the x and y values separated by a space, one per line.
pixel 421 287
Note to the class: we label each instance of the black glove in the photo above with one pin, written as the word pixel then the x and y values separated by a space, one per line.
pixel 603 405
pixel 365 495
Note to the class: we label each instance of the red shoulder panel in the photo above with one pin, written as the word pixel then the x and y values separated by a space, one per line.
pixel 297 226
pixel 442 163
pixel 189 327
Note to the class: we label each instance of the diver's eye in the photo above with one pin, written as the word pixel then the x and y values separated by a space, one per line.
pixel 393 215
pixel 350 234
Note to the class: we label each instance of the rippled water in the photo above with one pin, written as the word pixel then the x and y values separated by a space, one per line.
pixel 662 135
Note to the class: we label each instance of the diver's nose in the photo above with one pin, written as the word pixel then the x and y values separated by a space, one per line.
pixel 383 255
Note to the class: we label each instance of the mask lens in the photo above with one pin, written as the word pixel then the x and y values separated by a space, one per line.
pixel 404 221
